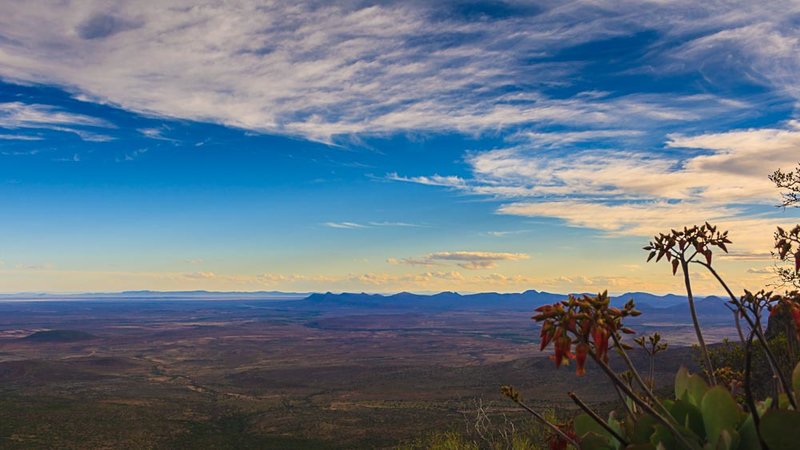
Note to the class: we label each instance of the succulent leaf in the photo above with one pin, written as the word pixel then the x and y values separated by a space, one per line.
pixel 697 388
pixel 584 424
pixel 720 413
pixel 780 429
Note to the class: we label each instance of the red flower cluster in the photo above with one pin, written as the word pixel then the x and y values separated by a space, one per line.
pixel 583 321
pixel 673 245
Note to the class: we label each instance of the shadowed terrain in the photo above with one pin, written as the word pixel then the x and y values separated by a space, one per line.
pixel 328 371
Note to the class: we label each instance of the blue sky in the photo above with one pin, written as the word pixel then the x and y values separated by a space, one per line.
pixel 390 146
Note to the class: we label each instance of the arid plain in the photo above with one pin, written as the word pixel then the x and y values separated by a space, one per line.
pixel 286 374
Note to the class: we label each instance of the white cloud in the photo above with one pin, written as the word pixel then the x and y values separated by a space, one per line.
pixel 425 261
pixel 375 224
pixel 25 115
pixel 394 224
pixel 344 225
pixel 570 137
pixel 433 180
pixel 766 47
pixel 319 70
pixel 16 115
pixel 155 133
pixel 201 275
pixel 470 260
pixel 717 177
pixel 19 137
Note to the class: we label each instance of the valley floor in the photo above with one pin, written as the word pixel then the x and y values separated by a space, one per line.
pixel 261 374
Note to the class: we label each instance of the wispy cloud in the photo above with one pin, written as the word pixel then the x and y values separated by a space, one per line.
pixel 433 180
pixel 320 70
pixel 19 137
pixel 15 115
pixel 424 261
pixel 24 115
pixel 499 234
pixel 394 224
pixel 375 224
pixel 133 155
pixel 552 139
pixel 470 260
pixel 344 225
pixel 201 275
pixel 634 192
pixel 156 133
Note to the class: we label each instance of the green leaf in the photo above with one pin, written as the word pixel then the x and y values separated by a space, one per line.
pixel 615 425
pixel 696 389
pixel 642 429
pixel 584 424
pixel 783 401
pixel 728 440
pixel 681 382
pixel 748 435
pixel 687 415
pixel 780 429
pixel 796 380
pixel 720 412
pixel 763 406
pixel 593 441
pixel 662 438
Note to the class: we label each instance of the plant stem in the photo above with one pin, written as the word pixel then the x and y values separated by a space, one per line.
pixel 547 423
pixel 687 281
pixel 636 375
pixel 597 418
pixel 738 323
pixel 755 327
pixel 631 411
pixel 748 392
pixel 643 404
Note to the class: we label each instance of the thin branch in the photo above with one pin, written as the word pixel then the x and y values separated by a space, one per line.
pixel 636 375
pixel 546 422
pixel 628 409
pixel 643 404
pixel 738 322
pixel 597 418
pixel 690 297
pixel 755 326
pixel 748 392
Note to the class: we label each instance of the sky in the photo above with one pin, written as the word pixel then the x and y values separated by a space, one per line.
pixel 389 146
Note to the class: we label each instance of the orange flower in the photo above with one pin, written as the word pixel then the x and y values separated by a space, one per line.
pixel 546 335
pixel 600 337
pixel 563 345
pixel 581 350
